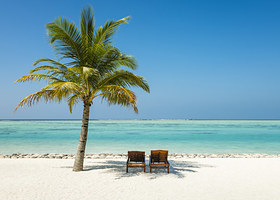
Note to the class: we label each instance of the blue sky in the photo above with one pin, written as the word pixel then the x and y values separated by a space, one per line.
pixel 202 59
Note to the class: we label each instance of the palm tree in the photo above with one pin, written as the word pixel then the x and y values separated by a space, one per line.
pixel 92 69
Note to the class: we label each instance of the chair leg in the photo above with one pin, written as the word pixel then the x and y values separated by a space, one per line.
pixel 126 169
pixel 144 168
pixel 168 170
pixel 150 169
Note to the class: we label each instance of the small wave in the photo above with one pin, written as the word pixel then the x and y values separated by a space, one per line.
pixel 205 133
pixel 133 133
pixel 5 133
pixel 62 129
pixel 33 133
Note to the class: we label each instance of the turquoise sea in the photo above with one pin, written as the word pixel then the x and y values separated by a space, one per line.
pixel 119 136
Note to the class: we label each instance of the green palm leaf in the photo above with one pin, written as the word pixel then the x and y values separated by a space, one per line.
pixel 114 94
pixel 104 33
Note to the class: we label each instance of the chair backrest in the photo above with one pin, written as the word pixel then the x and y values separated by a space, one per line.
pixel 159 155
pixel 136 156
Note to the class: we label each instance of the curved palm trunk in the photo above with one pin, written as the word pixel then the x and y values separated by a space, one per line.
pixel 79 158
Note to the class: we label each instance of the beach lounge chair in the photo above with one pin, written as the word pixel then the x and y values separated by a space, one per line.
pixel 158 159
pixel 136 159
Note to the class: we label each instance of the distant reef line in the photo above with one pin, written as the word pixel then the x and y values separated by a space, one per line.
pixel 124 155
pixel 141 119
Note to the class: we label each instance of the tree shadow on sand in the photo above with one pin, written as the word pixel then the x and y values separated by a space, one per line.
pixel 177 169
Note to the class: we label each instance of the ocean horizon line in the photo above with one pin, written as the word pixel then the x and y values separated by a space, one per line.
pixel 48 119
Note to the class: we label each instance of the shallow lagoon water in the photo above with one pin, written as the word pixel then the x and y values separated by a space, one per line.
pixel 119 136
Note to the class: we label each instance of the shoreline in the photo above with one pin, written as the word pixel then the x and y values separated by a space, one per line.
pixel 124 155
pixel 141 119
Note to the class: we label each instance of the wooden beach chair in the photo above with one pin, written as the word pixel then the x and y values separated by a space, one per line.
pixel 158 159
pixel 136 159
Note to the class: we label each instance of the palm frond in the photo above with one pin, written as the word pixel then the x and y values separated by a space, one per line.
pixel 53 62
pixel 86 72
pixel 124 79
pixel 119 95
pixel 126 61
pixel 73 100
pixel 87 24
pixel 44 67
pixel 63 86
pixel 110 58
pixel 66 38
pixel 104 33
pixel 46 95
pixel 37 77
pixel 57 70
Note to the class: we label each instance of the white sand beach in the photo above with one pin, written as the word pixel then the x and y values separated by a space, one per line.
pixel 203 179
